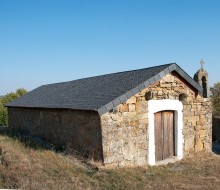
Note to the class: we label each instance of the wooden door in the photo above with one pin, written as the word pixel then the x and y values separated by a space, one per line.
pixel 164 135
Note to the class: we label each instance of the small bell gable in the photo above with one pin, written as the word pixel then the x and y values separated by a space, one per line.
pixel 201 77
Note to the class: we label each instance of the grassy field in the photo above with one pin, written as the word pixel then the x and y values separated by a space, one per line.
pixel 27 167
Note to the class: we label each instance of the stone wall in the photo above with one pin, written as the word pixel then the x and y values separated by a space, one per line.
pixel 78 129
pixel 125 134
pixel 125 129
pixel 198 125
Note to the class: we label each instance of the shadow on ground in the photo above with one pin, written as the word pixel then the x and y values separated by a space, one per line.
pixel 35 142
pixel 28 141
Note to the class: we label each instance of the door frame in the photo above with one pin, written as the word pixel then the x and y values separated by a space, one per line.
pixel 162 105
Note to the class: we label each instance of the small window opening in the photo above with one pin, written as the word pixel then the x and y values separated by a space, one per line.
pixel 204 85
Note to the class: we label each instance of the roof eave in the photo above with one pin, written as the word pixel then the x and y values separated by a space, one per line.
pixel 55 108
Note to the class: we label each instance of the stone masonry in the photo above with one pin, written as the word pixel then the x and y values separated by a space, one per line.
pixel 125 129
pixel 79 130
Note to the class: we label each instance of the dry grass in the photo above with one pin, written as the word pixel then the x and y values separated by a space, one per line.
pixel 28 168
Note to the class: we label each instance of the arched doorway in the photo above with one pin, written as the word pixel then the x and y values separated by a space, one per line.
pixel 161 114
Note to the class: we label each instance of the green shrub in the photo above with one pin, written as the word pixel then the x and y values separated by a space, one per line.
pixel 216 99
pixel 6 99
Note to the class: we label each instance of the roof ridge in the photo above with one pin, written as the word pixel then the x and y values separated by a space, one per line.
pixel 109 74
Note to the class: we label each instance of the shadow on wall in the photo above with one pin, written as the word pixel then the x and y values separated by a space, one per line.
pixel 216 129
pixel 216 135
pixel 216 148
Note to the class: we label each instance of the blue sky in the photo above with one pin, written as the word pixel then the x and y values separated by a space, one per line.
pixel 48 41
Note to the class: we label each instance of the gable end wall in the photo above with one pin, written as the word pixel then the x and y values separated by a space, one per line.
pixel 125 128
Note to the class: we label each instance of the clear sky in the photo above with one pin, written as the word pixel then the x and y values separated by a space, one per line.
pixel 48 41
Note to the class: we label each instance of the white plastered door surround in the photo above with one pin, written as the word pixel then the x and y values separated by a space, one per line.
pixel 161 105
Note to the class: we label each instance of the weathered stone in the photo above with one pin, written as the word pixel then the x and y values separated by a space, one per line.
pixel 165 85
pixel 141 107
pixel 184 91
pixel 115 118
pixel 199 146
pixel 176 89
pixel 169 78
pixel 155 84
pixel 131 100
pixel 202 112
pixel 123 108
pixel 189 144
pixel 193 119
pixel 202 117
pixel 160 93
pixel 132 108
pixel 201 122
pixel 202 133
pixel 193 123
pixel 198 127
pixel 174 84
pixel 191 151
pixel 171 97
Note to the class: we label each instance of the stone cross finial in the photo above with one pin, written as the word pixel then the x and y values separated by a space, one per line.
pixel 202 62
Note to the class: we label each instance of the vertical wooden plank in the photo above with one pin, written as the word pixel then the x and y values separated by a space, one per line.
pixel 158 136
pixel 165 124
pixel 174 135
pixel 171 135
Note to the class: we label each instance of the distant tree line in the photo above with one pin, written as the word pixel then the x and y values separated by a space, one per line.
pixel 6 99
pixel 216 99
pixel 20 92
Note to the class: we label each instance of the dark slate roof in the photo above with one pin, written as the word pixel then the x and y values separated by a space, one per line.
pixel 100 93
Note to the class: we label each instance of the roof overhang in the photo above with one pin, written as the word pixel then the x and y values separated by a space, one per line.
pixel 123 98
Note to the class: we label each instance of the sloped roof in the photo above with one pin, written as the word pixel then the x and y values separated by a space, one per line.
pixel 100 93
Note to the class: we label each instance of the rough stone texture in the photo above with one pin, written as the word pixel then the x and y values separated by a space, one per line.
pixel 125 137
pixel 125 130
pixel 80 130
